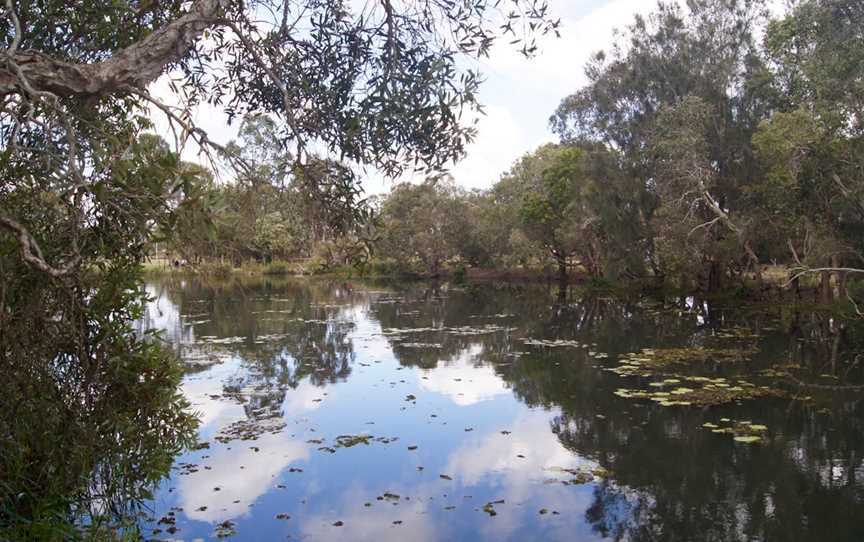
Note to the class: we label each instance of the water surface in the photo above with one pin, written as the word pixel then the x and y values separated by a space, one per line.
pixel 347 410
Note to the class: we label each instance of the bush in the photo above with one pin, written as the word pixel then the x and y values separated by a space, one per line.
pixel 459 273
pixel 387 267
pixel 277 268
pixel 216 270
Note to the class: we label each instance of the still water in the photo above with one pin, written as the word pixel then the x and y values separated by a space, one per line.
pixel 335 410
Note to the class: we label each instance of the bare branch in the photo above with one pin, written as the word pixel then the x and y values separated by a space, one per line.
pixel 190 130
pixel 16 22
pixel 274 78
pixel 823 269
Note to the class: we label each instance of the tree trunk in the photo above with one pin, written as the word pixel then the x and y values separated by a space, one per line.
pixel 135 66
pixel 715 278
pixel 839 278
pixel 562 269
pixel 754 263
pixel 825 287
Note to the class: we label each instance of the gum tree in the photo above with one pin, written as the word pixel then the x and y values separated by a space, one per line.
pixel 376 84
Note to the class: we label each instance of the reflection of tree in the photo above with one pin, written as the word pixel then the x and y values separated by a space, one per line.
pixel 286 331
pixel 670 478
pixel 86 443
pixel 673 479
pixel 317 351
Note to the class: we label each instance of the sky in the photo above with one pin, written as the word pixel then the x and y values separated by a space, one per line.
pixel 518 94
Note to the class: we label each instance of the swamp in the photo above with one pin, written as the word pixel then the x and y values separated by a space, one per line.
pixel 500 412
pixel 431 270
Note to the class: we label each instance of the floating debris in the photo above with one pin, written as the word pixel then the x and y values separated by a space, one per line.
pixel 347 441
pixel 251 429
pixel 489 507
pixel 743 431
pixel 557 343
pixel 648 361
pixel 706 392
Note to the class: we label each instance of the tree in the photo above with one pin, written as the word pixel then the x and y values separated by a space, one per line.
pixel 81 194
pixel 421 225
pixel 381 87
pixel 681 96
pixel 577 202
pixel 812 148
pixel 551 209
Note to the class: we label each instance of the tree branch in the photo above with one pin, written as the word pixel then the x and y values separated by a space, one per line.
pixel 821 269
pixel 32 254
pixel 135 66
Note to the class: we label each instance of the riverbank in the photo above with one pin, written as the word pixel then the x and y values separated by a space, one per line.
pixel 774 284
pixel 375 269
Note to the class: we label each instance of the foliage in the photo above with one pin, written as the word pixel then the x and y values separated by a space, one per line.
pixel 420 224
pixel 84 192
pixel 691 152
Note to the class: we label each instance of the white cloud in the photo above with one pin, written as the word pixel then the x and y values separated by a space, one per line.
pixel 306 397
pixel 498 142
pixel 373 523
pixel 519 94
pixel 244 485
pixel 496 453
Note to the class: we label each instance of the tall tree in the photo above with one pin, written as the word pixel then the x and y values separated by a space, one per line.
pixel 678 56
pixel 80 193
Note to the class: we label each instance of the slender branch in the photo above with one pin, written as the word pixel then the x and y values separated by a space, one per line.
pixel 16 22
pixel 32 253
pixel 705 225
pixel 823 269
pixel 197 134
pixel 274 78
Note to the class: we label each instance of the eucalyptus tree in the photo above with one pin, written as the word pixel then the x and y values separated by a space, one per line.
pixel 273 209
pixel 812 148
pixel 552 209
pixel 422 224
pixel 706 52
pixel 379 85
pixel 578 204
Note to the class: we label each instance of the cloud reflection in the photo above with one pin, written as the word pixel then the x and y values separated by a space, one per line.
pixel 463 380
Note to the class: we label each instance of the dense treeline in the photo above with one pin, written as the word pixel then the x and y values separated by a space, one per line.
pixel 275 210
pixel 710 141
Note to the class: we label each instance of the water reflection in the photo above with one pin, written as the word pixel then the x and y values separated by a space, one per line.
pixel 381 411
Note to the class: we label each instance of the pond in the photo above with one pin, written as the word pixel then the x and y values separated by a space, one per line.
pixel 390 411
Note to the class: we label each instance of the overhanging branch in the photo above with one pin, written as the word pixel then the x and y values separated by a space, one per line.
pixel 135 66
pixel 32 254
